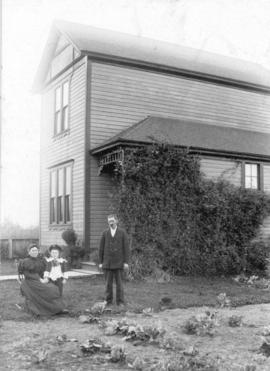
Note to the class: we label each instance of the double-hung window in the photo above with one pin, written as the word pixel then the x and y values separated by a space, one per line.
pixel 61 111
pixel 60 195
pixel 252 175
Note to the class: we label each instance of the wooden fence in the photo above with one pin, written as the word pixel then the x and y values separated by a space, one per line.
pixel 13 248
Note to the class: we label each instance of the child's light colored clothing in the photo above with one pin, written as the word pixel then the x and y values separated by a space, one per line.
pixel 55 269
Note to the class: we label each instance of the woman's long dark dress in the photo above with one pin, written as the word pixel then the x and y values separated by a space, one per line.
pixel 41 299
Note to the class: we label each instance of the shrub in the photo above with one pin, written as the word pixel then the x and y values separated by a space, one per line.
pixel 183 223
pixel 257 253
pixel 74 250
pixel 143 261
pixel 69 236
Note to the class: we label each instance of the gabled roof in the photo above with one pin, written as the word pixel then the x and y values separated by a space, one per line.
pixel 145 52
pixel 200 137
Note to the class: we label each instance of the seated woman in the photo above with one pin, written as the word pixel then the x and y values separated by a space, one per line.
pixel 41 299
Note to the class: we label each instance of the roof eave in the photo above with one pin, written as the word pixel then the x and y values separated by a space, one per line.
pixel 177 71
pixel 120 142
pixel 42 86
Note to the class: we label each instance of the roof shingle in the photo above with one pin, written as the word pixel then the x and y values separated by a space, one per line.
pixel 112 45
pixel 192 134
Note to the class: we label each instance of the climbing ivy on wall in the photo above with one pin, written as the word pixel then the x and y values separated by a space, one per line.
pixel 182 222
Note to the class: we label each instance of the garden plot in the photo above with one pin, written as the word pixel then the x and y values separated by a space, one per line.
pixel 176 339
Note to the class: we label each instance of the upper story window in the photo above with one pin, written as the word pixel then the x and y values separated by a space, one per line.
pixel 252 175
pixel 60 195
pixel 61 111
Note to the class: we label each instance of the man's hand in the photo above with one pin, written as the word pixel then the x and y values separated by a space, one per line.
pixel 64 281
pixel 100 266
pixel 125 266
pixel 44 280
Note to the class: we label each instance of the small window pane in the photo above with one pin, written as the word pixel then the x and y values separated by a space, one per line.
pixel 60 209
pixel 60 182
pixel 67 208
pixel 57 124
pixel 68 180
pixel 248 183
pixel 254 183
pixel 65 94
pixel 65 118
pixel 53 184
pixel 254 170
pixel 52 210
pixel 58 99
pixel 247 170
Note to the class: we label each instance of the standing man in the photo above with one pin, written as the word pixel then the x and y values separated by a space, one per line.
pixel 113 259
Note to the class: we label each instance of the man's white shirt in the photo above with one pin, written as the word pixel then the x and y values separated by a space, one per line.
pixel 113 231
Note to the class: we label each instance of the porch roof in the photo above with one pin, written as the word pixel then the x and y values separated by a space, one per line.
pixel 199 137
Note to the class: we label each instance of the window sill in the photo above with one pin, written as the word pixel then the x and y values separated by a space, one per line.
pixel 59 227
pixel 61 135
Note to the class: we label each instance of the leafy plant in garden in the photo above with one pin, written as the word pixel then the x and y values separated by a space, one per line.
pixel 183 223
pixel 223 300
pixel 235 321
pixel 133 332
pixel 202 324
pixel 92 346
pixel 182 363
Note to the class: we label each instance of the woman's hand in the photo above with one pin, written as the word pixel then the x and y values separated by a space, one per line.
pixel 44 280
pixel 64 281
pixel 20 278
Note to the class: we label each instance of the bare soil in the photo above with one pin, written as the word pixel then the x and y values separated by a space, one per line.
pixel 33 345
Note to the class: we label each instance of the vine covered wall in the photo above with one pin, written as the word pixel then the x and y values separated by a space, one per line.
pixel 183 223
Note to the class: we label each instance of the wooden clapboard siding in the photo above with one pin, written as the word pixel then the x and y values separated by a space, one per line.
pixel 266 178
pixel 66 147
pixel 121 96
pixel 100 190
pixel 215 169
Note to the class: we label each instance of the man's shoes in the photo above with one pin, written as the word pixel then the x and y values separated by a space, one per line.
pixel 109 304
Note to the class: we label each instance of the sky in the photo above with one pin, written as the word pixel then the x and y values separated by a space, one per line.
pixel 236 28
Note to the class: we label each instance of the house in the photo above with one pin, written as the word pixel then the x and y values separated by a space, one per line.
pixel 103 91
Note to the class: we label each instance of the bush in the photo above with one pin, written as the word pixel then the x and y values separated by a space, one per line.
pixel 257 254
pixel 183 223
pixel 69 236
pixel 74 251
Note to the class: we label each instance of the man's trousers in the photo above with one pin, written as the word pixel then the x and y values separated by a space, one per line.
pixel 117 275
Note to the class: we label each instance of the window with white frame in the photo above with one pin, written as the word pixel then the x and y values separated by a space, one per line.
pixel 60 195
pixel 252 175
pixel 61 111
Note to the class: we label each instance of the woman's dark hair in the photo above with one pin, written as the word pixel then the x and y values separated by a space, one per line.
pixel 31 246
pixel 55 247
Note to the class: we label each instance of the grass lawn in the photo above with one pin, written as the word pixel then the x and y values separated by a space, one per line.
pixel 27 343
pixel 82 293
pixel 8 267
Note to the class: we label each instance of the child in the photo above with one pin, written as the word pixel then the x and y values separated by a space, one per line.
pixel 56 268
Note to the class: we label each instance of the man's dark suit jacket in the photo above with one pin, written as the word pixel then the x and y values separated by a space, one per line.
pixel 114 251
